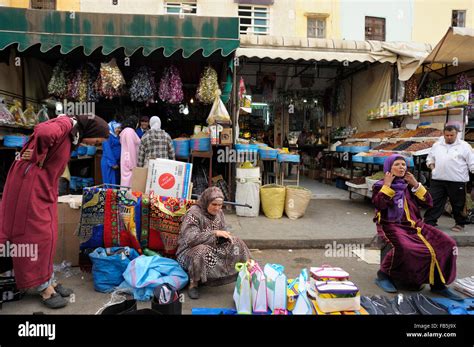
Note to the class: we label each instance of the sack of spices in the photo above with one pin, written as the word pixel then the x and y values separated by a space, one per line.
pixel 296 201
pixel 273 200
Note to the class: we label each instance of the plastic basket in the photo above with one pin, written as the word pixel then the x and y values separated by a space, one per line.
pixel 268 153
pixel 14 140
pixel 241 147
pixel 358 149
pixel 82 150
pixel 202 144
pixel 91 150
pixel 288 158
pixel 182 147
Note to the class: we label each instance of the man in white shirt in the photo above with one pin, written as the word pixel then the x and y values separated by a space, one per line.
pixel 450 161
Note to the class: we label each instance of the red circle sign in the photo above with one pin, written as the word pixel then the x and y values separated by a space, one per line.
pixel 166 181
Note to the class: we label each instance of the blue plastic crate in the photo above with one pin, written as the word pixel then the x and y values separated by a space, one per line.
pixel 288 158
pixel 201 144
pixel 14 140
pixel 242 147
pixel 358 159
pixel 91 150
pixel 182 148
pixel 368 159
pixel 358 149
pixel 82 150
pixel 268 153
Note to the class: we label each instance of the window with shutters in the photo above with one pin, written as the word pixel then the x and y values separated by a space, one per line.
pixel 375 28
pixel 43 4
pixel 181 7
pixel 254 20
pixel 458 18
pixel 317 28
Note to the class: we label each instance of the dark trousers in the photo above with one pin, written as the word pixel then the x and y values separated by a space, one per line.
pixel 440 191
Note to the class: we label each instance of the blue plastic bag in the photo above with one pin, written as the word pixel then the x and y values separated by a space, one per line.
pixel 108 265
pixel 144 274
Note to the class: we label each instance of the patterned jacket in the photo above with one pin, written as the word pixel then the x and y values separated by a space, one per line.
pixel 156 144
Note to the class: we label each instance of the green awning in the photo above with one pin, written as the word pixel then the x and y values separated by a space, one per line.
pixel 112 31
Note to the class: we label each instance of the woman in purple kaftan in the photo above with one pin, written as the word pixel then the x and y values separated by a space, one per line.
pixel 419 253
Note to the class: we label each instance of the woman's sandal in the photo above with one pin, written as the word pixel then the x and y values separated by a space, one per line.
pixel 55 301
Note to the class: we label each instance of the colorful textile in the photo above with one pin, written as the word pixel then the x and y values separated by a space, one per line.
pixel 92 216
pixel 166 214
pixel 145 225
pixel 120 219
pixel 111 220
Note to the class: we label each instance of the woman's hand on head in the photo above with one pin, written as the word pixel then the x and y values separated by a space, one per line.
pixel 388 179
pixel 222 233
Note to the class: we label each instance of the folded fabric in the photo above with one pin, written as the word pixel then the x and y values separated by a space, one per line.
pixel 454 307
pixel 465 285
pixel 404 305
pixel 426 306
pixel 379 305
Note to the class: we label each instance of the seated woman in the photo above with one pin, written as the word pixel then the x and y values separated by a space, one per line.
pixel 419 253
pixel 206 250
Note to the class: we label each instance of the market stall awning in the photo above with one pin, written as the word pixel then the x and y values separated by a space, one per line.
pixel 456 45
pixel 407 55
pixel 109 32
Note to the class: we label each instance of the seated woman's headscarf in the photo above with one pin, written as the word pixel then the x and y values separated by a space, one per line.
pixel 395 212
pixel 88 126
pixel 112 126
pixel 155 123
pixel 208 196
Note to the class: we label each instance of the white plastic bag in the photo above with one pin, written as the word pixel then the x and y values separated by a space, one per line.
pixel 218 113
pixel 303 305
pixel 276 286
pixel 258 288
pixel 242 295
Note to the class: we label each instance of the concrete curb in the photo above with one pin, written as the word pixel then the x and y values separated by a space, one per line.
pixel 461 240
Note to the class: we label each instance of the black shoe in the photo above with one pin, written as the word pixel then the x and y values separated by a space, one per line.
pixel 63 291
pixel 55 301
pixel 193 293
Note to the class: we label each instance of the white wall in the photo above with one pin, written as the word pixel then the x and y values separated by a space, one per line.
pixel 398 18
pixel 123 6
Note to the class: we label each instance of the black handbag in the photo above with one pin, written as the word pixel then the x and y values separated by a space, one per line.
pixel 166 300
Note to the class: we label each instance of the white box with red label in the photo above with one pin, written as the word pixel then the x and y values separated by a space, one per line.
pixel 169 178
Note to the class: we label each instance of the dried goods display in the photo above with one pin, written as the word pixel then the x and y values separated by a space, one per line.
pixel 403 146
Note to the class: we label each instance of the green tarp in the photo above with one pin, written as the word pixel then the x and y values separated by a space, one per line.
pixel 109 32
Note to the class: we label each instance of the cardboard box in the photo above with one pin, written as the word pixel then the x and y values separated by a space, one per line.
pixel 139 177
pixel 226 136
pixel 169 178
pixel 67 246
